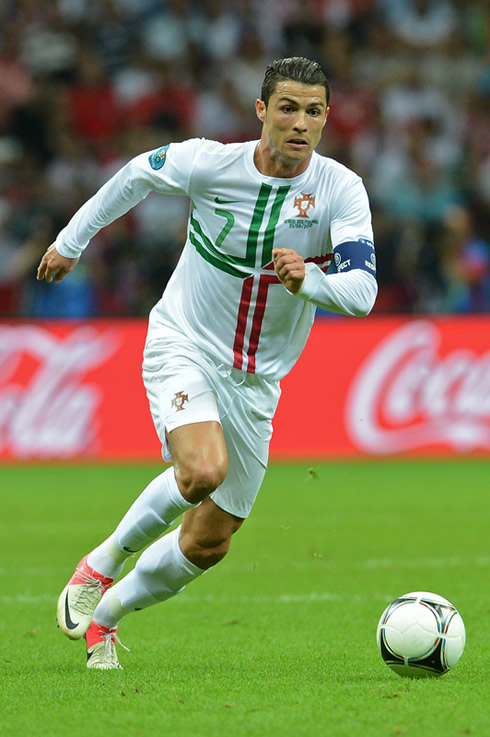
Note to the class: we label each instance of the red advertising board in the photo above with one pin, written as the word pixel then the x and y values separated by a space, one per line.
pixel 71 390
pixel 388 386
pixel 364 387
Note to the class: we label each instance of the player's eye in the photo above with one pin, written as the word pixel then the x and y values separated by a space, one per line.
pixel 315 112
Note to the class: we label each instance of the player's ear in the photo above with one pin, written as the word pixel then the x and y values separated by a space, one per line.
pixel 260 109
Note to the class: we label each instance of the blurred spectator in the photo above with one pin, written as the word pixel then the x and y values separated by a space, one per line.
pixel 167 33
pixel 169 105
pixel 354 106
pixel 246 71
pixel 93 112
pixel 465 259
pixel 420 23
pixel 221 30
pixel 15 78
pixel 222 114
pixel 85 86
pixel 423 193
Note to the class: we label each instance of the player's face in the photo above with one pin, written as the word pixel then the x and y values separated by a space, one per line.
pixel 293 120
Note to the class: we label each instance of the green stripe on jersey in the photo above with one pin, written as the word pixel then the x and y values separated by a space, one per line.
pixel 223 265
pixel 257 218
pixel 223 257
pixel 224 261
pixel 271 226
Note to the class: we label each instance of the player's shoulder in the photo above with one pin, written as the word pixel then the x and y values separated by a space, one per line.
pixel 338 184
pixel 214 161
pixel 226 152
pixel 196 153
pixel 333 169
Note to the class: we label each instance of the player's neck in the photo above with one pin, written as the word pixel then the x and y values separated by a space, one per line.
pixel 274 165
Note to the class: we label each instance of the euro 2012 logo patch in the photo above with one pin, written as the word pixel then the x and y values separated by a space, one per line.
pixel 157 158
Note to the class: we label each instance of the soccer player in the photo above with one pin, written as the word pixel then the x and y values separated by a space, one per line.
pixel 266 219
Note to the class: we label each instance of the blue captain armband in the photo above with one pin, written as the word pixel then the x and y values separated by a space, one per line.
pixel 355 255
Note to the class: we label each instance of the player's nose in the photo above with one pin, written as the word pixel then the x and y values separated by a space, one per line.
pixel 300 122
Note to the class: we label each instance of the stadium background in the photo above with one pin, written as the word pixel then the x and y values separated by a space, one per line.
pixel 85 86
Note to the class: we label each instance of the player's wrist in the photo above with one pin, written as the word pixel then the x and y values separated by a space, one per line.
pixel 66 251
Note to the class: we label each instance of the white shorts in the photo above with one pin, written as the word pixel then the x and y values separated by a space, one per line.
pixel 185 386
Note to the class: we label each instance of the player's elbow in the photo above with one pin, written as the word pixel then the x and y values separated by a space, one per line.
pixel 366 296
pixel 364 308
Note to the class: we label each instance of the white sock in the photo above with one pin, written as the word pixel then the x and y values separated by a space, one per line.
pixel 150 515
pixel 108 558
pixel 161 572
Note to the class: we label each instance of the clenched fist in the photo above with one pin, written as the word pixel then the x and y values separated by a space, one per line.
pixel 290 268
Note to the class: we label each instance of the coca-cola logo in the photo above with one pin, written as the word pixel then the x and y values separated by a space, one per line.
pixel 406 395
pixel 46 409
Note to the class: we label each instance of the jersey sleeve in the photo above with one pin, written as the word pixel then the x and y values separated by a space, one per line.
pixel 167 170
pixel 354 290
pixel 351 218
pixel 353 293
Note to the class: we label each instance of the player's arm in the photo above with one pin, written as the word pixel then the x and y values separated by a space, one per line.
pixel 131 184
pixel 350 292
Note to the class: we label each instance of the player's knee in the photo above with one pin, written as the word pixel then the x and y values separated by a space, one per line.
pixel 204 553
pixel 196 482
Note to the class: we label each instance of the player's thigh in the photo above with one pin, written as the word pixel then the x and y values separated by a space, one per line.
pixel 180 395
pixel 200 457
pixel 247 427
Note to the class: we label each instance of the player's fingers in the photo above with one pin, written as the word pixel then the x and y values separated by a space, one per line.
pixel 278 252
pixel 51 273
pixel 285 257
pixel 40 270
pixel 60 274
pixel 293 275
pixel 43 269
pixel 282 260
pixel 287 264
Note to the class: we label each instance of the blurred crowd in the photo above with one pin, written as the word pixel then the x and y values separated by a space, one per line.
pixel 86 85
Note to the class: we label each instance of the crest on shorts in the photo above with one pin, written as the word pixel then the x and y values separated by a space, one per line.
pixel 179 400
pixel 304 203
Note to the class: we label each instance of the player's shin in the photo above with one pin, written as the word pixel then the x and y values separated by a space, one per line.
pixel 150 515
pixel 161 572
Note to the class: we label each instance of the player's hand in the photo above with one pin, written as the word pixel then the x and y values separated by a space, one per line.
pixel 55 266
pixel 290 268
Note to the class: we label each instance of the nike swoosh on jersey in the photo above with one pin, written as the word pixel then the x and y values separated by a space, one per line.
pixel 69 622
pixel 219 201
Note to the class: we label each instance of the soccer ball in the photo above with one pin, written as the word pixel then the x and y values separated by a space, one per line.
pixel 421 634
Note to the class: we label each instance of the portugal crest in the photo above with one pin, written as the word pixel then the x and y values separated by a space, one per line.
pixel 304 203
pixel 179 400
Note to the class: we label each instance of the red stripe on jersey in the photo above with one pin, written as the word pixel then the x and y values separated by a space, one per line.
pixel 322 261
pixel 258 317
pixel 241 323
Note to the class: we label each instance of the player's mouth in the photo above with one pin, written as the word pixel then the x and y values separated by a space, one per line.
pixel 299 144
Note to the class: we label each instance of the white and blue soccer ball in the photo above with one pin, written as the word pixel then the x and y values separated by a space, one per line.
pixel 421 634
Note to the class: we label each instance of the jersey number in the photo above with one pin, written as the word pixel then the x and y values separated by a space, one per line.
pixel 250 257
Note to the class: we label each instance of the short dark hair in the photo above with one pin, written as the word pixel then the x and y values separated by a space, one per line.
pixel 296 68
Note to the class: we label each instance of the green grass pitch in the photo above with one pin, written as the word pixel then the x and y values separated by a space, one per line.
pixel 276 641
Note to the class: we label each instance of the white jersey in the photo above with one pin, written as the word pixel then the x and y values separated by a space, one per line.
pixel 224 294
